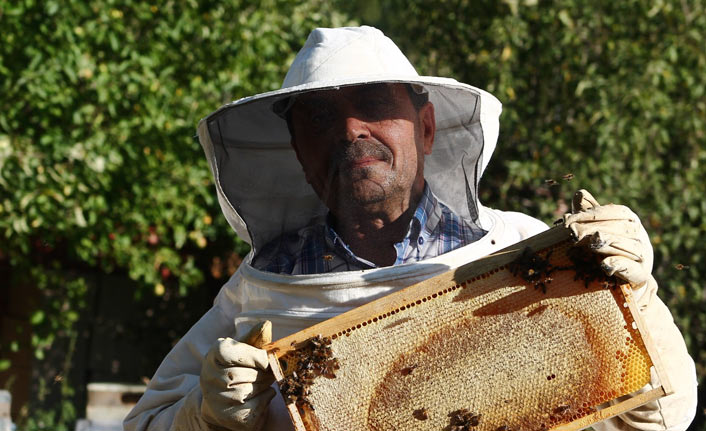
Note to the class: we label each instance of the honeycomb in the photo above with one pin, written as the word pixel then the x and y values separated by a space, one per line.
pixel 490 353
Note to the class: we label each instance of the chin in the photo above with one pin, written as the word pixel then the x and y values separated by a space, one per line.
pixel 367 192
pixel 347 199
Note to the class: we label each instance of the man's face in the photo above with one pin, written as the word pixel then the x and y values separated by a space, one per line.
pixel 362 145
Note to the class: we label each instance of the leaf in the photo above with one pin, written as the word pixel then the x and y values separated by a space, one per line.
pixel 565 18
pixel 179 236
pixel 37 317
pixel 79 217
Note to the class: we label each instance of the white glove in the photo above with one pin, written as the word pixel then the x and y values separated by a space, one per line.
pixel 616 232
pixel 236 385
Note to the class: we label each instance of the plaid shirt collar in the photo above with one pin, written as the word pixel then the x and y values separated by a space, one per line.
pixel 427 214
pixel 318 248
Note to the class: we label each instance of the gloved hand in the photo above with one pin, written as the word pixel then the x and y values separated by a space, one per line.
pixel 236 382
pixel 616 232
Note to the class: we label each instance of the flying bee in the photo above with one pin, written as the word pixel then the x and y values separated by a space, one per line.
pixel 568 177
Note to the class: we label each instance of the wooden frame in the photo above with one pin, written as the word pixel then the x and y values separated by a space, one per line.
pixel 365 317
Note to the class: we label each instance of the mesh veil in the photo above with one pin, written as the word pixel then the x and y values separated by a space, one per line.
pixel 262 188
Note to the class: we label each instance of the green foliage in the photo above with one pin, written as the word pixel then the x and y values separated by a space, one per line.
pixel 99 103
pixel 612 92
pixel 54 418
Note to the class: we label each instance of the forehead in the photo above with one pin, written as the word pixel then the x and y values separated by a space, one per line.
pixel 390 91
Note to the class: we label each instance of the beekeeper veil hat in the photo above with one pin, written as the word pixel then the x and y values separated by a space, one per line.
pixel 260 183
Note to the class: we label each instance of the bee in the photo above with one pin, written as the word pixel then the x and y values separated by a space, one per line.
pixel 568 177
pixel 328 257
pixel 421 414
pixel 463 419
pixel 406 371
pixel 550 182
pixel 680 266
pixel 610 283
pixel 562 408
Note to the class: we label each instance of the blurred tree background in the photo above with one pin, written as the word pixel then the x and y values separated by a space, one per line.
pixel 106 201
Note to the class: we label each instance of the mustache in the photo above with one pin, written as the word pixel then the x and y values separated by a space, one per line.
pixel 349 152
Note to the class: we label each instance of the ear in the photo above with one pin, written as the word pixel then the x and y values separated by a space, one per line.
pixel 428 123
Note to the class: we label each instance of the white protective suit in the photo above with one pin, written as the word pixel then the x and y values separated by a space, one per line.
pixel 263 193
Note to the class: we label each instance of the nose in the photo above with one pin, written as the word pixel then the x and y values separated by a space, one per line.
pixel 356 128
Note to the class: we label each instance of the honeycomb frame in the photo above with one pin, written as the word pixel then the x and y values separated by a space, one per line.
pixel 519 355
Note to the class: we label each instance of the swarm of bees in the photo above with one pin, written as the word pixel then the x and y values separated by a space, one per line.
pixel 533 268
pixel 588 268
pixel 536 269
pixel 462 420
pixel 295 389
pixel 314 359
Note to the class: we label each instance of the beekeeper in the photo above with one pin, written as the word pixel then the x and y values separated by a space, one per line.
pixel 357 178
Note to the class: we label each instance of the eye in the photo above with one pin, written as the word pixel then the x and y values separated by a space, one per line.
pixel 376 107
pixel 321 117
